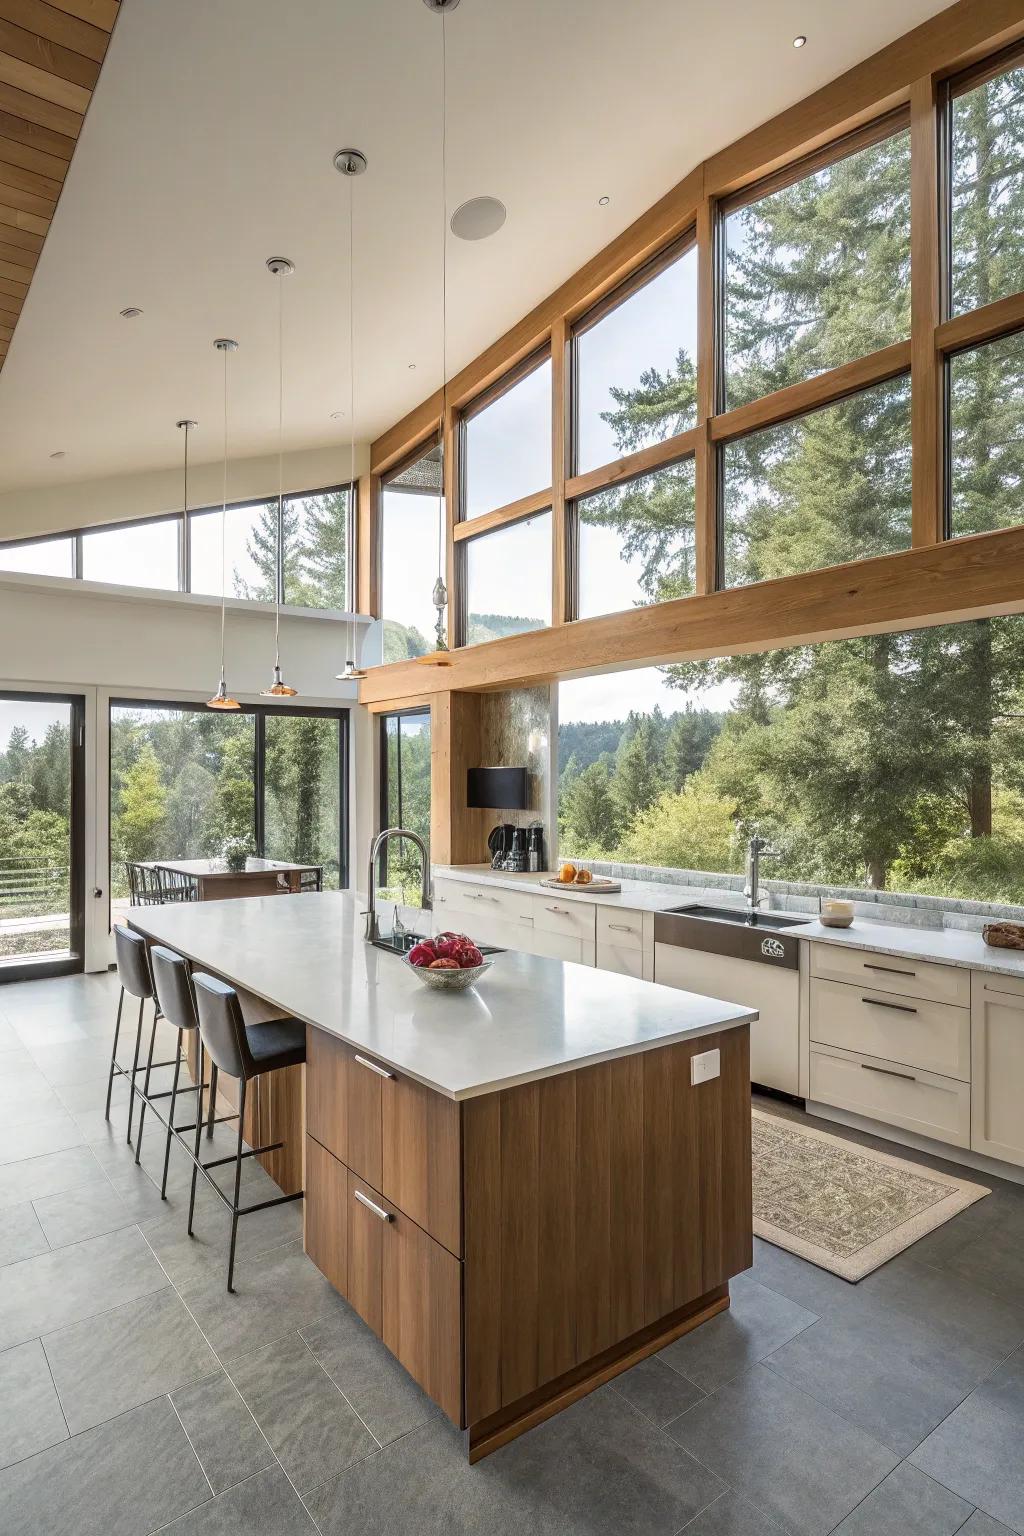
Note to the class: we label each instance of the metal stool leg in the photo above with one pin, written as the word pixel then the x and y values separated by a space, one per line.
pixel 113 1052
pixel 213 1101
pixel 170 1117
pixel 135 1068
pixel 199 1129
pixel 145 1091
pixel 238 1183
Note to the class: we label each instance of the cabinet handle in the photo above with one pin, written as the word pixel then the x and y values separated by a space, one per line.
pixel 876 1002
pixel 371 1205
pixel 620 928
pixel 555 909
pixel 890 970
pixel 908 1077
pixel 479 896
pixel 380 1071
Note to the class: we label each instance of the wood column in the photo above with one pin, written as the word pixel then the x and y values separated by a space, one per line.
pixel 706 477
pixel 927 368
pixel 560 389
pixel 457 834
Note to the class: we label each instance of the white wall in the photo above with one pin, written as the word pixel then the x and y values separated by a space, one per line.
pixel 79 637
pixel 68 503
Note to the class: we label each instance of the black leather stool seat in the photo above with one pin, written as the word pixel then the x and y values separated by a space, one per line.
pixel 277 1043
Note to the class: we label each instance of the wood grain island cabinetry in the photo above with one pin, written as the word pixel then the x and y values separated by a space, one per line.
pixel 520 1247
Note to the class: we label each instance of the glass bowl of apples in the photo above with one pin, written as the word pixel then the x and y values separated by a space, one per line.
pixel 450 962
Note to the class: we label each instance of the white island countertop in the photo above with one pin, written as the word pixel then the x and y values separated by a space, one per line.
pixel 528 1018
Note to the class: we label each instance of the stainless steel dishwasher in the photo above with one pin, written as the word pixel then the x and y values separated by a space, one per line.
pixel 741 957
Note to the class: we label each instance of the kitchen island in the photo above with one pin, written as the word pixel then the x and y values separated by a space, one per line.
pixel 520 1188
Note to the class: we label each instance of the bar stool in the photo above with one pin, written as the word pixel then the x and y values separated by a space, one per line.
pixel 242 1053
pixel 134 975
pixel 173 987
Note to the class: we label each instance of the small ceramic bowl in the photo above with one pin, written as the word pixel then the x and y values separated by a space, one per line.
pixel 836 914
pixel 449 981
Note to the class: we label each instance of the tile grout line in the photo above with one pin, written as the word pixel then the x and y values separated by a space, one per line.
pixel 188 1437
pixel 378 1443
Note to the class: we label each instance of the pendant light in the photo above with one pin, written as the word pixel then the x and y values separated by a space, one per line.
pixel 351 163
pixel 222 699
pixel 280 267
pixel 439 596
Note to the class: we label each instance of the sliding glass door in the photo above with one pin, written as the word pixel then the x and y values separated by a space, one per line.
pixel 184 781
pixel 42 842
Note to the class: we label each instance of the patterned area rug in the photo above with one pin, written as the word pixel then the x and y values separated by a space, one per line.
pixel 844 1207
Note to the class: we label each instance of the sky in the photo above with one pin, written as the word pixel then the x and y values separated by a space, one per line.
pixel 35 717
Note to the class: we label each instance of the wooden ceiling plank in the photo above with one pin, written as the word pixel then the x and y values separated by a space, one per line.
pixel 47 114
pixel 99 13
pixel 55 146
pixel 6 332
pixel 9 316
pixel 11 234
pixel 14 175
pixel 47 57
pixel 41 83
pixel 21 258
pixel 17 218
pixel 28 202
pixel 30 159
pixel 13 289
pixel 57 27
pixel 15 272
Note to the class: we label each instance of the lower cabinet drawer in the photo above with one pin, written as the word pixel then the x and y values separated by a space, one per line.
pixel 325 1214
pixel 923 1102
pixel 917 1033
pixel 573 919
pixel 622 930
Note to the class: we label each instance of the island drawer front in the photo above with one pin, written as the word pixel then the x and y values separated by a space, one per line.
pixel 325 1214
pixel 489 901
pixel 893 1026
pixel 573 919
pixel 910 978
pixel 366 1237
pixel 343 1103
pixel 923 1102
pixel 617 929
pixel 422 1158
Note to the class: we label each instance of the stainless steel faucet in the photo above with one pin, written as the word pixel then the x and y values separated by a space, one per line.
pixel 379 842
pixel 757 849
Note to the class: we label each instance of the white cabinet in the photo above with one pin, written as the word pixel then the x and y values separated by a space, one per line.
pixel 997 1062
pixel 620 941
pixel 894 1026
pixel 774 992
pixel 922 1102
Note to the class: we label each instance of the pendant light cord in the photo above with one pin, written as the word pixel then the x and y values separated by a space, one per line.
pixel 351 380
pixel 444 288
pixel 223 521
pixel 279 574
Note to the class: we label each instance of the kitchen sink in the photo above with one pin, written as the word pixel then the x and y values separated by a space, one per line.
pixel 739 915
pixel 389 946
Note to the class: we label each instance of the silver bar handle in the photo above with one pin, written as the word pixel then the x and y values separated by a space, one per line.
pixel 890 970
pixel 555 909
pixel 908 1077
pixel 380 1071
pixel 620 927
pixel 479 896
pixel 876 1002
pixel 371 1205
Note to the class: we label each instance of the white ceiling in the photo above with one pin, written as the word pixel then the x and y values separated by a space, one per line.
pixel 208 148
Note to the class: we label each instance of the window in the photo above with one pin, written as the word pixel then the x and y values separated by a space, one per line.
pixel 316 543
pixel 889 762
pixel 986 425
pixel 817 273
pixel 405 800
pixel 507 443
pixel 987 202
pixel 250 551
pixel 508 580
pixel 184 780
pixel 40 557
pixel 636 542
pixel 412 524
pixel 825 488
pixel 133 554
pixel 635 366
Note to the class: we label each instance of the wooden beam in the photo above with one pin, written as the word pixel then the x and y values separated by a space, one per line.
pixel 958 579
pixel 705 531
pixel 457 834
pixel 367 595
pixel 560 400
pixel 654 456
pixel 812 394
pixel 926 367
pixel 980 325
pixel 448 425
pixel 56 26
pixel 526 506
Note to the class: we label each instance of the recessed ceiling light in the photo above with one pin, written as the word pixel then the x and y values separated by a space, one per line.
pixel 798 42
pixel 131 313
pixel 412 367
pixel 337 415
pixel 60 454
pixel 603 202
pixel 480 217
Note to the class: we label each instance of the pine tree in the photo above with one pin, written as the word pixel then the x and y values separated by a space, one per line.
pixel 590 815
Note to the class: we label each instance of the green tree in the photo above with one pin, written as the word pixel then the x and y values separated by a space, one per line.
pixel 590 815
pixel 142 808
pixel 635 781
pixel 691 829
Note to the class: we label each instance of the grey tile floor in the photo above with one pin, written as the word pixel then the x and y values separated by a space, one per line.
pixel 136 1396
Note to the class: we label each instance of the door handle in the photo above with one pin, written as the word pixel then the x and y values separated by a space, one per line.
pixel 876 1002
pixel 890 970
pixel 620 928
pixel 908 1077
pixel 380 1071
pixel 371 1205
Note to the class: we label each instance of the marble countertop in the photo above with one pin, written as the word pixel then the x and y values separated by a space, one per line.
pixel 528 1018
pixel 945 946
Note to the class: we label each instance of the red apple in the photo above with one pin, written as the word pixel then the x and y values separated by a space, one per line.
pixel 422 954
pixel 470 956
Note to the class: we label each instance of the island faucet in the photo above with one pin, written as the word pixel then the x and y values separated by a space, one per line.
pixel 379 842
pixel 757 848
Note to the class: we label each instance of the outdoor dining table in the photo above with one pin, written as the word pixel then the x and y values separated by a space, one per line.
pixel 260 877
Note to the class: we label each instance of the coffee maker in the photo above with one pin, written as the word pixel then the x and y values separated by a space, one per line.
pixel 499 841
